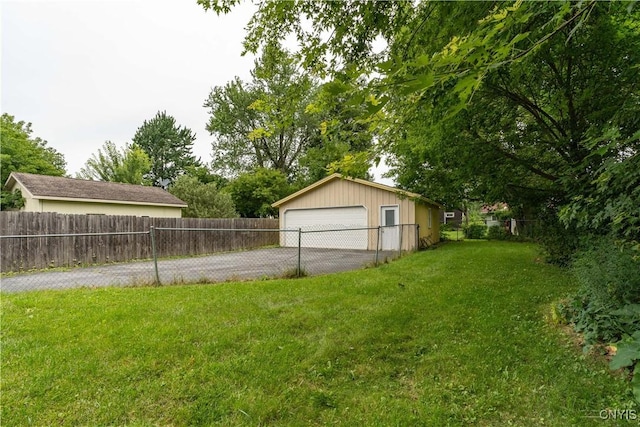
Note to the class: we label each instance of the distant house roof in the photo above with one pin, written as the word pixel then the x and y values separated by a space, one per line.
pixel 487 209
pixel 70 189
pixel 335 176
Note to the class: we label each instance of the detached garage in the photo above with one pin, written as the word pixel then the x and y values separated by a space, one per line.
pixel 359 207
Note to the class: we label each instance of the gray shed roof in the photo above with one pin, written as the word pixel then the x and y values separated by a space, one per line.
pixel 56 187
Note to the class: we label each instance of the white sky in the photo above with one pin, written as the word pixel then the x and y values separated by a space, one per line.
pixel 84 72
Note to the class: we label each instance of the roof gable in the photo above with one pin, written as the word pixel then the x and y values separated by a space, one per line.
pixel 61 188
pixel 335 176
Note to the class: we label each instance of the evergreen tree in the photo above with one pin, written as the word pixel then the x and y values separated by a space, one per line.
pixel 169 147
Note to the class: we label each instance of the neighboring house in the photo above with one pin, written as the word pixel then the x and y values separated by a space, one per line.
pixel 76 196
pixel 455 217
pixel 337 203
pixel 490 214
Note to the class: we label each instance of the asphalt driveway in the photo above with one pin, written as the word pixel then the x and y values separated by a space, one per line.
pixel 254 264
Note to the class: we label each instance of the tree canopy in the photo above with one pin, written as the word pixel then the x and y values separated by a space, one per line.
pixel 536 131
pixel 204 200
pixel 129 165
pixel 346 132
pixel 168 146
pixel 21 152
pixel 254 192
pixel 264 123
pixel 535 104
pixel 283 119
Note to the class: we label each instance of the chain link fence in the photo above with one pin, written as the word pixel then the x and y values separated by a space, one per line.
pixel 166 255
pixel 509 229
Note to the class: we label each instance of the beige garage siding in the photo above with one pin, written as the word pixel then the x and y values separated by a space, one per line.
pixel 31 205
pixel 109 209
pixel 335 191
pixel 343 192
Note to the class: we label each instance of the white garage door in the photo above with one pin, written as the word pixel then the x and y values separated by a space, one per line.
pixel 325 225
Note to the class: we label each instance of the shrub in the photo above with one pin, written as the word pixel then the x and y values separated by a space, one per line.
pixel 475 231
pixel 605 307
pixel 446 227
pixel 558 242
pixel 443 232
pixel 10 200
pixel 628 356
pixel 497 232
pixel 203 200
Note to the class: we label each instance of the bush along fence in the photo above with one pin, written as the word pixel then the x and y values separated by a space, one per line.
pixel 205 255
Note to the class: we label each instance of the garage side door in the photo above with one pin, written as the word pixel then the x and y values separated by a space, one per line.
pixel 331 219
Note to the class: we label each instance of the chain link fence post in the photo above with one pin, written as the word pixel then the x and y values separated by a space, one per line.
pixel 299 252
pixel 377 246
pixel 152 232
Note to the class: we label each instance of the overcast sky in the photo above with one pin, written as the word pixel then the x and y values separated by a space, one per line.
pixel 84 72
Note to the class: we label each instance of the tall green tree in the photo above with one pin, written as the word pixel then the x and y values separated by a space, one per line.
pixel 346 132
pixel 21 152
pixel 264 123
pixel 538 101
pixel 203 200
pixel 205 175
pixel 168 145
pixel 539 130
pixel 254 192
pixel 129 165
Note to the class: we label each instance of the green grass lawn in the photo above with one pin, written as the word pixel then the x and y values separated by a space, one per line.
pixel 454 235
pixel 452 336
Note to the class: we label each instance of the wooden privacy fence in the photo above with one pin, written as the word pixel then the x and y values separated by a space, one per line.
pixel 31 240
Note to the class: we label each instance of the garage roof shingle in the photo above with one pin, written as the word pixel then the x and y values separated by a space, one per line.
pixel 56 187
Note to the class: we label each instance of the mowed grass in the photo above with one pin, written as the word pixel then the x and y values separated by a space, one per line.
pixel 452 336
pixel 454 235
